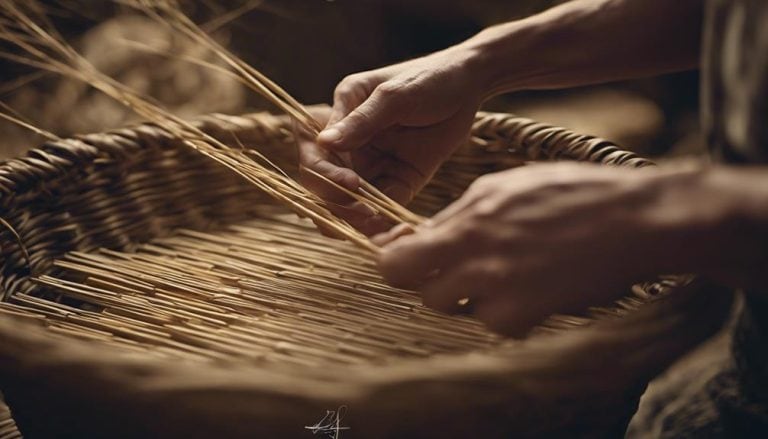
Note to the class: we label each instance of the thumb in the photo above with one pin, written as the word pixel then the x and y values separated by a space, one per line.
pixel 377 113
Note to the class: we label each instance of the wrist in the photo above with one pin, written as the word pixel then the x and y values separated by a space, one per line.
pixel 525 54
pixel 712 221
pixel 492 52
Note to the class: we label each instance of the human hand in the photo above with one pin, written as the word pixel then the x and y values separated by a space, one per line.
pixel 393 127
pixel 531 242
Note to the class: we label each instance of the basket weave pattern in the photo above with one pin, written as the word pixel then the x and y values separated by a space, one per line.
pixel 86 192
pixel 127 187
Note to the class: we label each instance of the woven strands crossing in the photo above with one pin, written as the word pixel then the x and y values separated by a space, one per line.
pixel 269 290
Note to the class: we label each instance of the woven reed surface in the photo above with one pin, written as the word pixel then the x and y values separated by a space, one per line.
pixel 115 189
pixel 270 289
pixel 8 429
pixel 132 240
pixel 578 383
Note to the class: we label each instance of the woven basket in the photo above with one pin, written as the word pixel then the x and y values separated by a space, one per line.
pixel 126 187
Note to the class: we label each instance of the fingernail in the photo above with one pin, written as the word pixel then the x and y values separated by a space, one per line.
pixel 331 135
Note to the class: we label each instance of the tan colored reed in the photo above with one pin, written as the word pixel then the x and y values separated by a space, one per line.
pixel 44 48
pixel 268 290
pixel 168 12
pixel 25 26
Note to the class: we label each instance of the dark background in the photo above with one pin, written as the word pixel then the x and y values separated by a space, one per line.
pixel 307 46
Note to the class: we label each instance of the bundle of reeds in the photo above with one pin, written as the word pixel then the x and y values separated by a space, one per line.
pixel 147 286
pixel 24 25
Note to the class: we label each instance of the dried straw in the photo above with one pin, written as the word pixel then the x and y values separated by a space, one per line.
pixel 44 48
pixel 268 290
pixel 13 116
pixel 169 13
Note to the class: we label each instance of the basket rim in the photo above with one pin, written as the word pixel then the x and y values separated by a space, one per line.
pixel 538 141
pixel 502 365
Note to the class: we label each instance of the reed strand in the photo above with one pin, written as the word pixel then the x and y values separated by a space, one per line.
pixel 44 48
pixel 169 13
pixel 269 290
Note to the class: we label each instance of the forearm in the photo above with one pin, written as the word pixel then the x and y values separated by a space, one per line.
pixel 739 245
pixel 707 220
pixel 589 41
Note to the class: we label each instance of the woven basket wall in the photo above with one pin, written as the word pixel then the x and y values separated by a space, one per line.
pixel 127 187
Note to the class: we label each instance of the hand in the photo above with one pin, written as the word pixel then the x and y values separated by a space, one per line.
pixel 394 127
pixel 527 243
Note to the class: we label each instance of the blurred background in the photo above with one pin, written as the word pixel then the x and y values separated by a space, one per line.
pixel 307 46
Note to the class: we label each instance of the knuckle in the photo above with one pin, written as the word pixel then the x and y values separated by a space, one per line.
pixel 350 80
pixel 481 184
pixel 390 89
pixel 342 91
pixel 347 85
pixel 485 208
